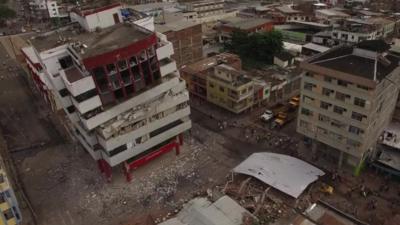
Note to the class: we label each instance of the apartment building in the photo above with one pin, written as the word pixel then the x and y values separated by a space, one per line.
pixel 118 87
pixel 230 88
pixel 227 26
pixel 348 95
pixel 206 8
pixel 184 35
pixel 357 30
pixel 10 213
pixel 9 210
pixel 196 74
pixel 45 9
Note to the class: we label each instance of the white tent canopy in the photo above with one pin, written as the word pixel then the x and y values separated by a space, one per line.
pixel 285 173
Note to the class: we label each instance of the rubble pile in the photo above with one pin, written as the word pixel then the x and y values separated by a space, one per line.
pixel 256 198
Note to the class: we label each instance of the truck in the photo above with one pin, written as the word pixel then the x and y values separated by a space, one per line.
pixel 294 102
pixel 283 118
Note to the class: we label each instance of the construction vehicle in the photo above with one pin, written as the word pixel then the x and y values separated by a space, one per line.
pixel 283 118
pixel 327 189
pixel 294 102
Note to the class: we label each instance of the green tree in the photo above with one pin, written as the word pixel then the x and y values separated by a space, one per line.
pixel 256 46
pixel 6 13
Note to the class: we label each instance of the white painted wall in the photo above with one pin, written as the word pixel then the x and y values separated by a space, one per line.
pixel 52 7
pixel 112 143
pixel 168 68
pixel 101 19
pixel 135 150
pixel 87 105
pixel 80 86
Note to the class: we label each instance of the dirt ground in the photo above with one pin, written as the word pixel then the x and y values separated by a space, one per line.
pixel 65 186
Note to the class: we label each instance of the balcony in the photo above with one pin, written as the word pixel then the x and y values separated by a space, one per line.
pixel 165 50
pixel 87 105
pixel 167 66
pixel 76 82
pixel 131 152
pixel 143 130
pixel 154 91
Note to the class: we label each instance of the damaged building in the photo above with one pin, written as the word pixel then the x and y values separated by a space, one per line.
pixel 114 84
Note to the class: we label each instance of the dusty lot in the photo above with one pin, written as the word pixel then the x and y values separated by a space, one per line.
pixel 65 186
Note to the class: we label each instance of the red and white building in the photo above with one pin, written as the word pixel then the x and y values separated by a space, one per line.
pixel 122 95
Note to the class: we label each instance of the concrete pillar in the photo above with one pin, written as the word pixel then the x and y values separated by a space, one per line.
pixel 127 172
pixel 340 162
pixel 314 146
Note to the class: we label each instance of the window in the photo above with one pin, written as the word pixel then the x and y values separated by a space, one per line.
pixel 343 83
pixel 111 69
pixel 8 214
pixel 309 86
pixel 359 102
pixel 133 61
pixel 65 62
pixel 307 74
pixel 323 118
pixel 336 136
pixel 357 116
pixel 2 198
pixel 165 128
pixel 339 110
pixel 85 96
pixel 362 87
pixel 304 124
pixel 307 99
pixel 306 112
pixel 342 97
pixel 325 105
pixel 321 130
pixel 211 84
pixel 71 109
pixel 353 143
pixel 118 150
pixel 355 130
pixel 63 92
pixel 337 124
pixel 327 79
pixel 221 89
pixel 326 91
pixel 122 65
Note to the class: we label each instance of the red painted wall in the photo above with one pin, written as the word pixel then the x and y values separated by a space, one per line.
pixel 122 53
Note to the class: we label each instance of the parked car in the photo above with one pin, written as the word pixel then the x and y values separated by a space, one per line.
pixel 267 116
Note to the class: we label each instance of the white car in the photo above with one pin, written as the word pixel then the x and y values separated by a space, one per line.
pixel 267 116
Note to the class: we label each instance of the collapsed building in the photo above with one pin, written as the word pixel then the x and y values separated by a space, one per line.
pixel 115 85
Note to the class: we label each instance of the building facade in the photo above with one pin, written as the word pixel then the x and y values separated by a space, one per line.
pixel 10 213
pixel 230 89
pixel 118 87
pixel 186 39
pixel 195 74
pixel 348 95
pixel 206 8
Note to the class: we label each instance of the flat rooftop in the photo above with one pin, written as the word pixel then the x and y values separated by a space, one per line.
pixel 173 22
pixel 343 59
pixel 244 23
pixel 210 62
pixel 96 43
